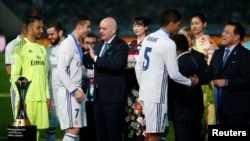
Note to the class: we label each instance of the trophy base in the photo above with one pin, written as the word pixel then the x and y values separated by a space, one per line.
pixel 21 122
pixel 22 133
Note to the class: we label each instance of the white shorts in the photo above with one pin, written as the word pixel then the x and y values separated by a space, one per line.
pixel 69 110
pixel 155 116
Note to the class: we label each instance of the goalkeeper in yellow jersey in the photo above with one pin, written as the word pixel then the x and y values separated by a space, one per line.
pixel 29 60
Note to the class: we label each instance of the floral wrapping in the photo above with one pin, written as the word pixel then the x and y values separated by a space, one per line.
pixel 205 45
pixel 135 120
pixel 134 49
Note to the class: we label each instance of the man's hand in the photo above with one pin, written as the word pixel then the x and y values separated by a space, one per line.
pixel 194 79
pixel 79 95
pixel 220 82
pixel 92 52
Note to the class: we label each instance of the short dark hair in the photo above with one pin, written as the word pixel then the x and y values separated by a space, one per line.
pixel 80 19
pixel 238 30
pixel 181 42
pixel 170 15
pixel 56 25
pixel 91 34
pixel 32 19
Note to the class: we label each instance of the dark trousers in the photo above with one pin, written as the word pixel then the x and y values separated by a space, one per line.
pixel 109 120
pixel 187 131
pixel 239 119
pixel 88 133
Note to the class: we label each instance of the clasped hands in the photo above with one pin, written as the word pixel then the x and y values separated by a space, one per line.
pixel 194 80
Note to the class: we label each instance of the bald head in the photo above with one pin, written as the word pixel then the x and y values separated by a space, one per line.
pixel 108 28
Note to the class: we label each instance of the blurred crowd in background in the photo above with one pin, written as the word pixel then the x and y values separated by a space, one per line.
pixel 217 12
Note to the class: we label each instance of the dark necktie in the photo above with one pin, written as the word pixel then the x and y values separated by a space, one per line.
pixel 226 54
pixel 104 49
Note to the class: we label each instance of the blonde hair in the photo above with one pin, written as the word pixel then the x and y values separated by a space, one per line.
pixel 188 32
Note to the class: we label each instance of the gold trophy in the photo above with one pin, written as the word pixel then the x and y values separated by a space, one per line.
pixel 22 119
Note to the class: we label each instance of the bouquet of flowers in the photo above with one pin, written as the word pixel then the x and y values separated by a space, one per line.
pixel 135 119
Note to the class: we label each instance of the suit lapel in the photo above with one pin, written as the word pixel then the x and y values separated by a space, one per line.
pixel 98 47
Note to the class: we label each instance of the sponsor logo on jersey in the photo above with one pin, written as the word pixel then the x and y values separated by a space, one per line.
pixel 37 62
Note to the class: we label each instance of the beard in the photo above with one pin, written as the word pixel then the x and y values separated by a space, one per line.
pixel 56 41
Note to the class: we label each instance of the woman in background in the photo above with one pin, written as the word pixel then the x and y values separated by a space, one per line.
pixel 135 123
pixel 204 44
pixel 140 27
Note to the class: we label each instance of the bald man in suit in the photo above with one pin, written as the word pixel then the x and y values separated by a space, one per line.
pixel 110 57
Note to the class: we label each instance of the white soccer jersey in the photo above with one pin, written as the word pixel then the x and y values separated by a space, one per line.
pixel 69 66
pixel 69 71
pixel 157 59
pixel 52 52
pixel 8 49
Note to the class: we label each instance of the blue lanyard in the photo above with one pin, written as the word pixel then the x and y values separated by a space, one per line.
pixel 78 47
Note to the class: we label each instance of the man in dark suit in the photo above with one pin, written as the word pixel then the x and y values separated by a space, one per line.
pixel 232 78
pixel 185 103
pixel 110 57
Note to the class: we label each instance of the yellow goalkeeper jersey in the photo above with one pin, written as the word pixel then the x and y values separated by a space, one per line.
pixel 29 61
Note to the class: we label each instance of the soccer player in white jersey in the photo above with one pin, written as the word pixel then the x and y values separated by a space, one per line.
pixel 70 95
pixel 29 61
pixel 157 60
pixel 8 50
pixel 55 35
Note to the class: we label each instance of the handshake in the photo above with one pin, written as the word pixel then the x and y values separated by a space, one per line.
pixel 194 80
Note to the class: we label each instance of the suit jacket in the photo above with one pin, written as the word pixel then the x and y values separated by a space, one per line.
pixel 185 103
pixel 236 96
pixel 200 59
pixel 109 74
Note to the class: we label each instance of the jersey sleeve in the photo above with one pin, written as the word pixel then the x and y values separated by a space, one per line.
pixel 170 58
pixel 64 59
